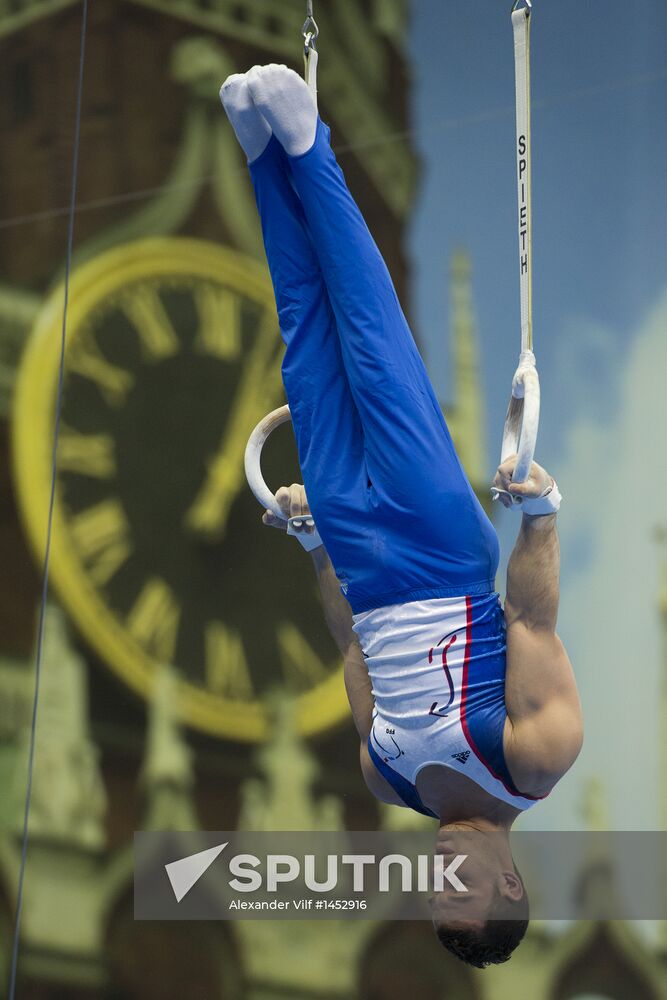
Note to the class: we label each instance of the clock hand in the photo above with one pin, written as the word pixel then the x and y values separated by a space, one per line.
pixel 208 513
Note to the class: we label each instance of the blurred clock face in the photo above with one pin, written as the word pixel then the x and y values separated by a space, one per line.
pixel 172 356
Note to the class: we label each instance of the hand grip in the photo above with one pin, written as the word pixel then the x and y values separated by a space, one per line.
pixel 253 470
pixel 522 421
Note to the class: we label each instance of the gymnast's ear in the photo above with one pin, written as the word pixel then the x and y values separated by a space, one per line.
pixel 510 886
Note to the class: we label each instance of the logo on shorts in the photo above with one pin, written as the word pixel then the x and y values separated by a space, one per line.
pixel 461 757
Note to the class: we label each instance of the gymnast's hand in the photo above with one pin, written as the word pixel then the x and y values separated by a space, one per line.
pixel 293 502
pixel 536 485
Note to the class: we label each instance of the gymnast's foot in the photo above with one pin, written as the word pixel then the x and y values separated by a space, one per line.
pixel 252 130
pixel 287 105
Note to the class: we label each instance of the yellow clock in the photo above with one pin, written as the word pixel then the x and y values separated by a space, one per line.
pixel 172 355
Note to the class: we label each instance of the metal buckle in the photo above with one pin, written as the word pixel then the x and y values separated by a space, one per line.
pixel 310 32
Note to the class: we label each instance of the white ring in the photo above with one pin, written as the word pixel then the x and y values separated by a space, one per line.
pixel 253 456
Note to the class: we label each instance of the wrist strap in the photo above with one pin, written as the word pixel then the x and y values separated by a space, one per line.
pixel 548 503
pixel 309 539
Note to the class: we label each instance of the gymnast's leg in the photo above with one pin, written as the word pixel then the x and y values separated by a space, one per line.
pixel 326 423
pixel 433 532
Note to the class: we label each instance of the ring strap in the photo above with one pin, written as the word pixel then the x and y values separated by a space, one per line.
pixel 521 27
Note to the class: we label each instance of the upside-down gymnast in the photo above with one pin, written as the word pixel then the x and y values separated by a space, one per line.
pixel 466 712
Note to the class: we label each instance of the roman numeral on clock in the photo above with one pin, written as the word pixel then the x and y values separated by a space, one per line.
pixel 85 358
pixel 301 665
pixel 102 537
pixel 154 620
pixel 219 312
pixel 227 672
pixel 88 454
pixel 144 309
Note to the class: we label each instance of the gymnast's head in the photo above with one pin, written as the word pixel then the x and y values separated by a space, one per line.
pixel 484 924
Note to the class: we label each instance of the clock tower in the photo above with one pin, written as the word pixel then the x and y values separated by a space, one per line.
pixel 172 350
pixel 172 355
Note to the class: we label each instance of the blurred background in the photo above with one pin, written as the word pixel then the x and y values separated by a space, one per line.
pixel 188 681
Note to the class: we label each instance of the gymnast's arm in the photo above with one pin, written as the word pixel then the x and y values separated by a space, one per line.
pixel 544 732
pixel 337 613
pixel 338 616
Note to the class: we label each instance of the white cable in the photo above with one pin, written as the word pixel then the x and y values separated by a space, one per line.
pixel 25 834
pixel 523 413
pixel 521 28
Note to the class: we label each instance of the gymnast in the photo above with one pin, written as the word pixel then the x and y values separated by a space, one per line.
pixel 466 712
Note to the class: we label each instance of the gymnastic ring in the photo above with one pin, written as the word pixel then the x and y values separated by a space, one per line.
pixel 522 423
pixel 253 462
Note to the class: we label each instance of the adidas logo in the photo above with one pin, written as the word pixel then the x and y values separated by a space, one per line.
pixel 461 757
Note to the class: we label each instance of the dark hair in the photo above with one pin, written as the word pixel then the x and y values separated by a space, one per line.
pixel 497 939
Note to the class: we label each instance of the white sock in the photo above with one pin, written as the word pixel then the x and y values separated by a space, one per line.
pixel 252 130
pixel 287 105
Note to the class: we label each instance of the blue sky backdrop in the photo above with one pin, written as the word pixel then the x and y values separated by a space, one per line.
pixel 599 80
